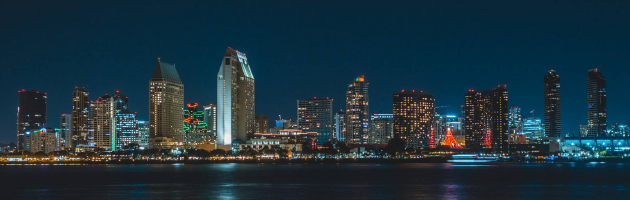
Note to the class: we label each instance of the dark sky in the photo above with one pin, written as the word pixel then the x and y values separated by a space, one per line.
pixel 302 49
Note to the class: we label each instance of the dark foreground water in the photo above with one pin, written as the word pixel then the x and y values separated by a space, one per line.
pixel 318 181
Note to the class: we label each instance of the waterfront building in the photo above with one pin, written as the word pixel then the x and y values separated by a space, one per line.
pixel 31 114
pixel 357 109
pixel 80 117
pixel 126 124
pixel 210 118
pixel 533 129
pixel 166 104
pixel 143 134
pixel 486 119
pixel 46 140
pixel 340 126
pixel 553 118
pixel 195 126
pixel 235 98
pixel 102 129
pixel 262 123
pixel 618 130
pixel 66 131
pixel 381 128
pixel 414 118
pixel 315 115
pixel 515 121
pixel 596 103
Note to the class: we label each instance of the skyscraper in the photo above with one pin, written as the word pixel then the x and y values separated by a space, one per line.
pixel 31 115
pixel 235 99
pixel 414 118
pixel 515 121
pixel 66 131
pixel 315 115
pixel 102 129
pixel 166 104
pixel 262 124
pixel 125 122
pixel 381 128
pixel 553 118
pixel 596 100
pixel 210 118
pixel 340 126
pixel 143 134
pixel 195 125
pixel 486 119
pixel 357 109
pixel 80 116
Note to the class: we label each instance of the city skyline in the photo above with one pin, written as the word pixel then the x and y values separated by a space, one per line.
pixel 303 66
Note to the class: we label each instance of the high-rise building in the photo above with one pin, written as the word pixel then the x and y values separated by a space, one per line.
pixel 357 109
pixel 195 125
pixel 262 124
pixel 166 104
pixel 315 115
pixel 43 139
pixel 80 116
pixel 210 118
pixel 102 128
pixel 126 123
pixel 486 119
pixel 515 121
pixel 553 117
pixel 532 128
pixel 340 126
pixel 596 100
pixel 66 131
pixel 381 128
pixel 235 99
pixel 31 115
pixel 414 118
pixel 143 134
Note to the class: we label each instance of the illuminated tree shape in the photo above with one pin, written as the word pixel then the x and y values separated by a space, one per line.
pixel 450 141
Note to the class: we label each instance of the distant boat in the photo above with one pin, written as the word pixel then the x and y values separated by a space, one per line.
pixel 472 158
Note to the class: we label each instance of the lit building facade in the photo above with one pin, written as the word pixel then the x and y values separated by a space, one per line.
pixel 316 115
pixel 262 123
pixel 414 118
pixel 210 112
pixel 596 100
pixel 66 131
pixel 486 119
pixel 45 140
pixel 533 129
pixel 195 125
pixel 80 116
pixel 235 99
pixel 102 129
pixel 31 115
pixel 126 124
pixel 553 118
pixel 381 128
pixel 515 121
pixel 357 112
pixel 340 126
pixel 166 104
pixel 143 134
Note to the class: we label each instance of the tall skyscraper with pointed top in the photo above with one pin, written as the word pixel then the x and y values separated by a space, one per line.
pixel 596 100
pixel 166 105
pixel 552 122
pixel 235 99
pixel 357 109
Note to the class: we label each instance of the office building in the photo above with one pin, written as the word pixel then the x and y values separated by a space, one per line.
pixel 340 126
pixel 31 115
pixel 262 123
pixel 486 120
pixel 533 129
pixel 316 115
pixel 143 134
pixel 80 116
pixel 210 118
pixel 166 104
pixel 357 109
pixel 46 140
pixel 102 129
pixel 381 128
pixel 235 99
pixel 414 118
pixel 553 115
pixel 66 131
pixel 195 125
pixel 596 100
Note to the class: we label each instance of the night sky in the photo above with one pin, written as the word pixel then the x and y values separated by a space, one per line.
pixel 300 49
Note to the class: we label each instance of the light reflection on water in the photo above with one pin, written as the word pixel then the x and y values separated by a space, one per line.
pixel 316 181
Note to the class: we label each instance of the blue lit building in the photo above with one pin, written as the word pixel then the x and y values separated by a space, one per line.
pixel 532 127
pixel 143 134
pixel 126 130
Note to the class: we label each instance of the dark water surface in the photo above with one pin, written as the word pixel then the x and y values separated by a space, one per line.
pixel 318 181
